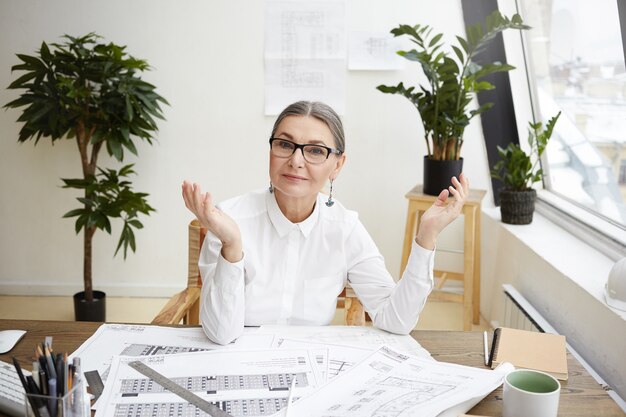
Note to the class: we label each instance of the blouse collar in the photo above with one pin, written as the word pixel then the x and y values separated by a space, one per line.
pixel 283 225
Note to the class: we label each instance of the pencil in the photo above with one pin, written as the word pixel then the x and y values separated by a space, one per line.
pixel 35 373
pixel 38 352
pixel 70 377
pixel 486 343
pixel 27 388
pixel 51 369
pixel 41 409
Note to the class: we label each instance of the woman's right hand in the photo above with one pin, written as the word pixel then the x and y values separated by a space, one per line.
pixel 215 220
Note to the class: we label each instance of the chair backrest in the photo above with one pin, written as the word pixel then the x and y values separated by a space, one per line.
pixel 185 306
pixel 197 234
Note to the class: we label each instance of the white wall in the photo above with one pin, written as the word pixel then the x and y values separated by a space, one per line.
pixel 208 62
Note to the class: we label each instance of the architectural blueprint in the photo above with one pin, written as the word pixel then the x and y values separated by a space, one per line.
pixel 252 376
pixel 332 359
pixel 140 340
pixel 305 54
pixel 366 337
pixel 243 383
pixel 370 50
pixel 392 384
pixel 134 340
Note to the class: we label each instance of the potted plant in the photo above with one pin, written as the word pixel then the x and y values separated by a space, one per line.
pixel 443 103
pixel 91 92
pixel 518 171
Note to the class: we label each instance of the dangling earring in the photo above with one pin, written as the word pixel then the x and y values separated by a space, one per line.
pixel 271 188
pixel 330 201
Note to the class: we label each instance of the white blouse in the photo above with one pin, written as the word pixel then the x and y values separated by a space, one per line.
pixel 292 273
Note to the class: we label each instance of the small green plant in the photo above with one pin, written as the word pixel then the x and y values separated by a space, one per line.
pixel 91 92
pixel 443 103
pixel 519 170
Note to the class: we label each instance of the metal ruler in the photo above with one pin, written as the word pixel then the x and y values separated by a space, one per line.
pixel 183 393
pixel 95 383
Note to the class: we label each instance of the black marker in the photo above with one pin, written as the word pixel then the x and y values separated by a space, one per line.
pixel 20 374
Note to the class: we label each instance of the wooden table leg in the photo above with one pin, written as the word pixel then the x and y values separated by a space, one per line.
pixel 476 301
pixel 468 267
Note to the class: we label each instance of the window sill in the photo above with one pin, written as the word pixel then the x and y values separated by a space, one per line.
pixel 603 235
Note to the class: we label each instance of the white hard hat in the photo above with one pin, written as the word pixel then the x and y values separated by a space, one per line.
pixel 615 290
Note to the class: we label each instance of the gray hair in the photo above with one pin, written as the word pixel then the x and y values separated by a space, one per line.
pixel 321 112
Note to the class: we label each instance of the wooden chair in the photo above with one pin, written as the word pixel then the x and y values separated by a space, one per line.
pixel 185 306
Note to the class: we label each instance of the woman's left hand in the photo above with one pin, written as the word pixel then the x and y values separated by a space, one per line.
pixel 441 213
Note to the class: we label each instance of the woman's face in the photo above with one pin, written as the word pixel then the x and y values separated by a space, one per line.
pixel 294 177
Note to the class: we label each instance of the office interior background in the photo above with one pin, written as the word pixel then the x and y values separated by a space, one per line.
pixel 207 61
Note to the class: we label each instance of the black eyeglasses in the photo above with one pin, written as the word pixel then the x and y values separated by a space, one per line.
pixel 314 154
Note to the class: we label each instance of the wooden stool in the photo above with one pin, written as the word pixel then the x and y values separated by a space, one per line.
pixel 418 204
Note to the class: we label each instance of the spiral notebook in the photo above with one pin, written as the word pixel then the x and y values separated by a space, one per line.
pixel 530 350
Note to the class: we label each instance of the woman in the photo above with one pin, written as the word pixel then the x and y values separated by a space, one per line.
pixel 283 255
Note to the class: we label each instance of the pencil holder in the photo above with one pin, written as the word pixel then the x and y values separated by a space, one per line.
pixel 73 404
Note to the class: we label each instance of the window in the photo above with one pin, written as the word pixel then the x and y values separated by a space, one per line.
pixel 575 63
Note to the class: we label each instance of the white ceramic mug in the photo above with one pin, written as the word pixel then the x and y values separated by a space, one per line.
pixel 530 394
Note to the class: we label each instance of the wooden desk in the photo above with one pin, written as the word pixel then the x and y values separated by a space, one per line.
pixel 418 204
pixel 580 395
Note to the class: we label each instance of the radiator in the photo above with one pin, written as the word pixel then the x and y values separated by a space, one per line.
pixel 520 314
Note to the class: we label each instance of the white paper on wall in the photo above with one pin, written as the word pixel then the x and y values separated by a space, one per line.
pixel 374 51
pixel 305 54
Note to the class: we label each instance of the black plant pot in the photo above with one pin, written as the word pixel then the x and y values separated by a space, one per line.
pixel 517 207
pixel 90 310
pixel 437 174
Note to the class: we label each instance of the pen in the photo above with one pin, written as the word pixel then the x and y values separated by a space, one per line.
pixel 76 378
pixel 52 395
pixel 60 375
pixel 486 348
pixel 290 398
pixel 43 382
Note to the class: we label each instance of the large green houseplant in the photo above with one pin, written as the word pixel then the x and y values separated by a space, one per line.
pixel 91 92
pixel 453 78
pixel 519 170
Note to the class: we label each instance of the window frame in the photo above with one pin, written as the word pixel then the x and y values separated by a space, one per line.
pixel 600 232
pixel 503 128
